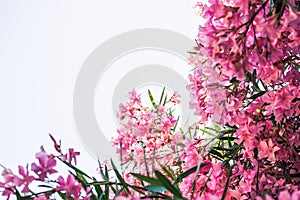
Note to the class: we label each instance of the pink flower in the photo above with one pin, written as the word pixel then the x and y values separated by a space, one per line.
pixel 294 19
pixel 175 98
pixel 88 194
pixel 9 183
pixel 245 186
pixel 70 186
pixel 284 195
pixel 134 98
pixel 267 150
pixel 283 98
pixel 45 166
pixel 72 155
pixel 26 178
pixel 296 195
pixel 268 27
pixel 198 8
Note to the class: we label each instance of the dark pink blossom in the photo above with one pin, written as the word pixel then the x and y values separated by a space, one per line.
pixel 70 186
pixel 72 156
pixel 26 178
pixel 45 166
pixel 9 184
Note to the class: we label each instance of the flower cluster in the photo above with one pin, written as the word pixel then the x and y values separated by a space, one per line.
pixel 40 172
pixel 146 131
pixel 246 78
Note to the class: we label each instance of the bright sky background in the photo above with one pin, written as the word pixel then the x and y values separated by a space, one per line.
pixel 43 44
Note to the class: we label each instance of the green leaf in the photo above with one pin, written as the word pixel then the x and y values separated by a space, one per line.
pixel 188 172
pixel 145 161
pixel 18 195
pixel 227 183
pixel 97 187
pixel 216 153
pixel 227 138
pixel 152 99
pixel 162 96
pixel 155 188
pixel 255 96
pixel 106 173
pixel 165 182
pixel 122 181
pixel 62 195
pixel 74 168
pixel 248 76
pixel 165 100
pixel 233 150
pixel 106 192
pixel 205 131
pixel 228 131
pixel 45 186
pixel 153 159
pixel 192 52
pixel 80 178
pixel 138 189
pixel 265 193
pixel 221 149
pixel 174 128
pixel 169 173
pixel 101 170
pixel 148 179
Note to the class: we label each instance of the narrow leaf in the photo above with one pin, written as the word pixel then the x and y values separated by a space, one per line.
pixel 167 172
pixel 227 184
pixel 155 188
pixel 162 96
pixel 167 184
pixel 122 181
pixel 152 99
pixel 148 179
pixel 255 96
pixel 216 153
pixel 74 168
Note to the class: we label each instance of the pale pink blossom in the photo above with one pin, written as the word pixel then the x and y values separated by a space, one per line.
pixel 267 150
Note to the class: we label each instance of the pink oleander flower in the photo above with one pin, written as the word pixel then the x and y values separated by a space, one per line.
pixel 267 27
pixel 249 80
pixel 9 183
pixel 45 166
pixel 144 130
pixel 72 156
pixel 134 98
pixel 198 7
pixel 285 195
pixel 70 186
pixel 283 99
pixel 25 180
pixel 267 150
pixel 175 98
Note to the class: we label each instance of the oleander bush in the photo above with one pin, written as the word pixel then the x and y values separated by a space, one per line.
pixel 244 87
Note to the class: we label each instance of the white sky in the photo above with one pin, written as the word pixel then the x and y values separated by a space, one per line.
pixel 43 44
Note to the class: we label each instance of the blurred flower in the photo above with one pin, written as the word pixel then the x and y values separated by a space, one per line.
pixel 45 166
